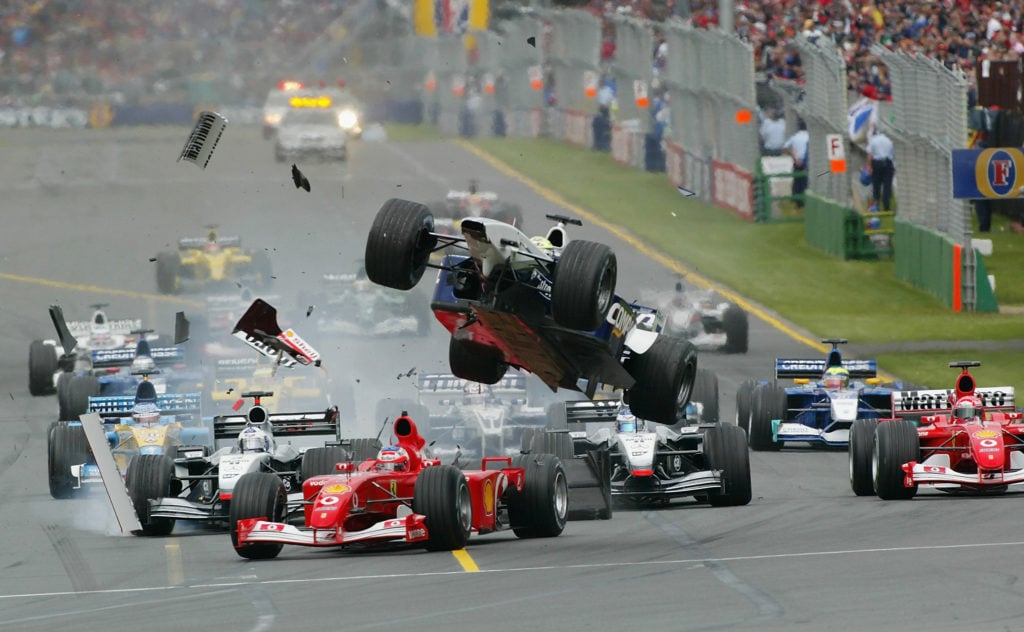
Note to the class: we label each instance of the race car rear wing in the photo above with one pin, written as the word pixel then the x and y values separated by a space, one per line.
pixel 285 425
pixel 786 368
pixel 162 356
pixel 914 404
pixel 122 327
pixel 199 242
pixel 184 406
pixel 588 412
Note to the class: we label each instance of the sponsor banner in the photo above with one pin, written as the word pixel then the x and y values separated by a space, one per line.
pixel 622 145
pixel 997 172
pixel 575 127
pixel 732 188
pixel 54 118
pixel 674 161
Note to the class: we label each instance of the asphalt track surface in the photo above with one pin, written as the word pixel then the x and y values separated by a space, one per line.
pixel 90 208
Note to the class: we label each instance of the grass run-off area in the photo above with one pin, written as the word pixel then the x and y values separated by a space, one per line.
pixel 931 368
pixel 772 263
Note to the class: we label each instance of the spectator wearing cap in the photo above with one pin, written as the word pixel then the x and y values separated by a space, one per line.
pixel 882 169
pixel 796 146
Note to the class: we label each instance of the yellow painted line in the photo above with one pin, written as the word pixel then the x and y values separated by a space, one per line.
pixel 467 563
pixel 78 287
pixel 175 566
pixel 641 246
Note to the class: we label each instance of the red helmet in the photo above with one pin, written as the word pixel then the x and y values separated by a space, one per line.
pixel 967 408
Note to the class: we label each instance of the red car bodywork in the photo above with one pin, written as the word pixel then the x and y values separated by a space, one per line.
pixel 361 504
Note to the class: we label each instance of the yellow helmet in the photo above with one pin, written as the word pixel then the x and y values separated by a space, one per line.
pixel 542 243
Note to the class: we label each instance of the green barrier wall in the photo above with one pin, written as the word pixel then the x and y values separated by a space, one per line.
pixel 986 298
pixel 836 229
pixel 924 259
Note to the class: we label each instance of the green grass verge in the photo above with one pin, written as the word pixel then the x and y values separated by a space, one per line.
pixel 411 133
pixel 998 368
pixel 1006 260
pixel 769 263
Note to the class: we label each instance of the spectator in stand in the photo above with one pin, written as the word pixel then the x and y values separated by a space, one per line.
pixel 881 167
pixel 773 133
pixel 796 146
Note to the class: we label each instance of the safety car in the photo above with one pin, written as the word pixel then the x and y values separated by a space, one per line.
pixel 292 94
pixel 547 306
pixel 827 396
pixel 403 495
pixel 967 438
pixel 144 423
pixel 211 261
pixel 310 132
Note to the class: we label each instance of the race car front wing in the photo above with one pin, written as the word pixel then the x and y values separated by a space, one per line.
pixel 410 528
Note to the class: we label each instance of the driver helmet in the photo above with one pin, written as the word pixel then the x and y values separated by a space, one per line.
pixel 211 245
pixel 392 459
pixel 625 421
pixel 836 377
pixel 253 439
pixel 543 243
pixel 143 364
pixel 100 328
pixel 967 408
pixel 145 413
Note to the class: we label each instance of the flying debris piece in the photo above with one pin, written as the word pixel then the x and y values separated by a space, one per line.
pixel 152 259
pixel 532 41
pixel 258 328
pixel 410 372
pixel 203 139
pixel 181 328
pixel 301 181
pixel 686 192
pixel 230 390
pixel 237 405
pixel 309 310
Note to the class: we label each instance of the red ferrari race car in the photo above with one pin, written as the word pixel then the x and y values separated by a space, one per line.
pixel 403 495
pixel 965 438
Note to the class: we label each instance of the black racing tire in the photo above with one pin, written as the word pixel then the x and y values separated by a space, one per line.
pixel 168 272
pixel 64 396
pixel 726 449
pixel 769 402
pixel 149 478
pixel 79 390
pixel 665 376
pixel 705 391
pixel 364 448
pixel 257 495
pixel 262 269
pixel 895 443
pixel 744 397
pixel 476 362
pixel 556 443
pixel 42 364
pixel 736 328
pixel 399 245
pixel 542 508
pixel 442 495
pixel 584 285
pixel 321 461
pixel 510 214
pixel 862 437
pixel 66 445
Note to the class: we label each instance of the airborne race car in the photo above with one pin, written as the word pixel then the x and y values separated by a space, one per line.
pixel 650 464
pixel 548 310
pixel 215 260
pixel 403 496
pixel 965 438
pixel 813 410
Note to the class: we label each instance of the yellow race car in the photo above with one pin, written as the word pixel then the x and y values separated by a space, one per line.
pixel 234 376
pixel 214 260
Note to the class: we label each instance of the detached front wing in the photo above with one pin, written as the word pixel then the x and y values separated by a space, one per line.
pixel 410 528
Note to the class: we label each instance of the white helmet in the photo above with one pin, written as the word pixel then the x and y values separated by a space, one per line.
pixel 625 421
pixel 254 439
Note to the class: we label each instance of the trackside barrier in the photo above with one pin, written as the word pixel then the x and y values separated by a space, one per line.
pixel 771 190
pixel 836 229
pixel 732 187
pixel 925 260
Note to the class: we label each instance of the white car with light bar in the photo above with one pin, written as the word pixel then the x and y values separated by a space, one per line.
pixel 310 133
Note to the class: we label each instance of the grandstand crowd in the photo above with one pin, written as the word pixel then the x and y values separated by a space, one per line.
pixel 142 50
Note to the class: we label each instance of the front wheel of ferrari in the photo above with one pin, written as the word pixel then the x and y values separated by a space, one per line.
pixel 442 495
pixel 542 508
